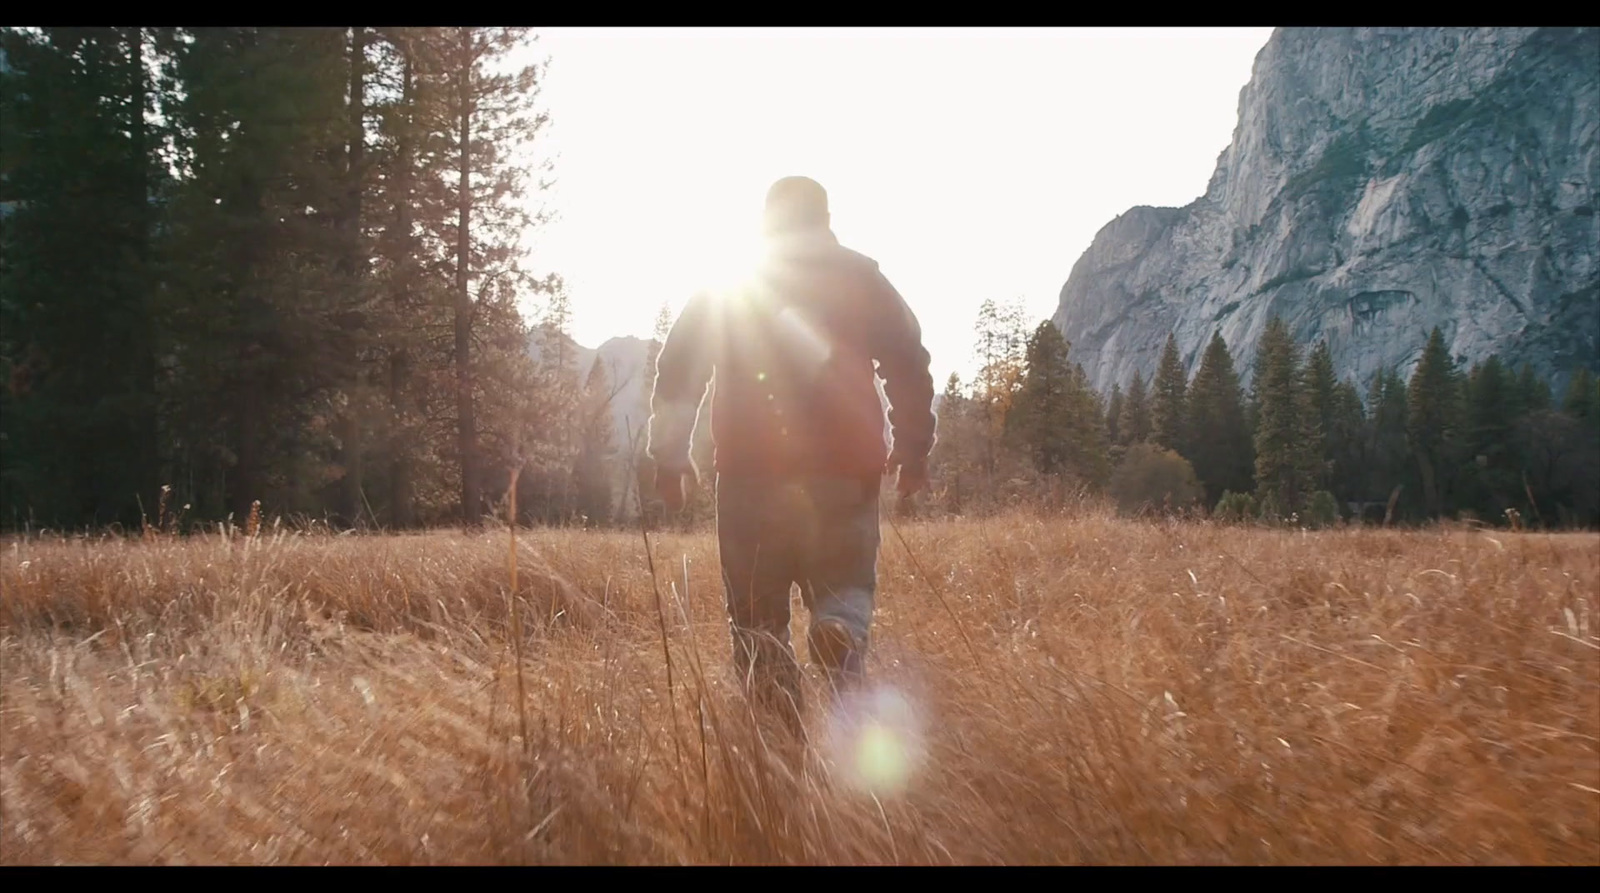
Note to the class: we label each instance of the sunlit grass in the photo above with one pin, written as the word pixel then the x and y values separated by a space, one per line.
pixel 1122 693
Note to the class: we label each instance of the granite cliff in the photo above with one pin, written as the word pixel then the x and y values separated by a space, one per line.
pixel 1380 182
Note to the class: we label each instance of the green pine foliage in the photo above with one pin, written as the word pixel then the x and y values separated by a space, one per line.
pixel 1167 398
pixel 1217 440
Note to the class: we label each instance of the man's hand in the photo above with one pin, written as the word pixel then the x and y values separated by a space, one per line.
pixel 671 486
pixel 910 479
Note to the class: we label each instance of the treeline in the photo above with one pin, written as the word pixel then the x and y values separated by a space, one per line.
pixel 279 265
pixel 1487 442
pixel 282 267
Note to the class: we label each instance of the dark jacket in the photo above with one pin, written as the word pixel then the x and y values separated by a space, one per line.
pixel 792 350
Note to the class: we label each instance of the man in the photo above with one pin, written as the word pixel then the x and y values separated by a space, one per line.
pixel 798 430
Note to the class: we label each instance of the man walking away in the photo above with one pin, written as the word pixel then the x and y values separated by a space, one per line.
pixel 798 431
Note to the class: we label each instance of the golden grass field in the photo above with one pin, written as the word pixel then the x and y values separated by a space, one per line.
pixel 1088 690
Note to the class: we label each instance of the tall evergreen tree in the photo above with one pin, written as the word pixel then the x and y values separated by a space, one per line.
pixel 1089 446
pixel 1582 398
pixel 1219 443
pixel 352 264
pixel 413 299
pixel 1056 418
pixel 1166 403
pixel 1346 444
pixel 1320 384
pixel 1560 467
pixel 1040 419
pixel 1287 459
pixel 78 332
pixel 1492 468
pixel 1388 454
pixel 1114 415
pixel 1432 419
pixel 256 304
pixel 488 112
pixel 1136 424
pixel 1533 393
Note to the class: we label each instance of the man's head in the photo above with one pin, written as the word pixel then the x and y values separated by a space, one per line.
pixel 796 203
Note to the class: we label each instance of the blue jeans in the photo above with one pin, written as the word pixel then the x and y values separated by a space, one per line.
pixel 820 533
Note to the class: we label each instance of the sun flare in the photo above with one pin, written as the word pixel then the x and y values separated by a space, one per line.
pixel 961 185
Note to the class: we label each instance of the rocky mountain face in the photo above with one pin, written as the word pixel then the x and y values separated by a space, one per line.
pixel 1380 182
pixel 624 360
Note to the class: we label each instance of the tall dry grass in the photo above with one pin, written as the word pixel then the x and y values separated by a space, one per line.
pixel 1089 691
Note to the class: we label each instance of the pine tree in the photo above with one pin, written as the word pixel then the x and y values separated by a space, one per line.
pixel 1166 399
pixel 1285 441
pixel 1533 393
pixel 275 214
pixel 1432 414
pixel 1492 466
pixel 1346 441
pixel 487 115
pixel 413 301
pixel 1057 418
pixel 78 315
pixel 1114 415
pixel 352 264
pixel 1219 442
pixel 1089 453
pixel 1582 399
pixel 256 305
pixel 1039 418
pixel 1559 452
pixel 1136 425
pixel 1320 385
pixel 1388 453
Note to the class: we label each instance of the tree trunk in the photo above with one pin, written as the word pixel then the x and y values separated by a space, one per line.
pixel 252 396
pixel 401 488
pixel 467 425
pixel 1430 488
pixel 147 434
pixel 350 495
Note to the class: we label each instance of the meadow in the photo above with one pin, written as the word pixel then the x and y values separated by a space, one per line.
pixel 1069 690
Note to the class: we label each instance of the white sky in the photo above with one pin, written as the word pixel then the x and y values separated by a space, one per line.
pixel 971 163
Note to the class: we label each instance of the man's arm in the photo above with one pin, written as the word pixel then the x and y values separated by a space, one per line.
pixel 903 362
pixel 683 370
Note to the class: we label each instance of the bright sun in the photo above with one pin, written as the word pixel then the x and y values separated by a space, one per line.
pixel 721 257
pixel 665 238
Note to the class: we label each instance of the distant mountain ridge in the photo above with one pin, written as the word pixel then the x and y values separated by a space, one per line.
pixel 625 360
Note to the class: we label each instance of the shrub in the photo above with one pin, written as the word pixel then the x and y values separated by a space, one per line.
pixel 1322 511
pixel 1270 509
pixel 1150 478
pixel 1235 507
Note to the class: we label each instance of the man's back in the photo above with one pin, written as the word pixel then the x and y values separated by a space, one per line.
pixel 793 351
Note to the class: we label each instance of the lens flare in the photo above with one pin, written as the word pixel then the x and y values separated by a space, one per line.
pixel 876 739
